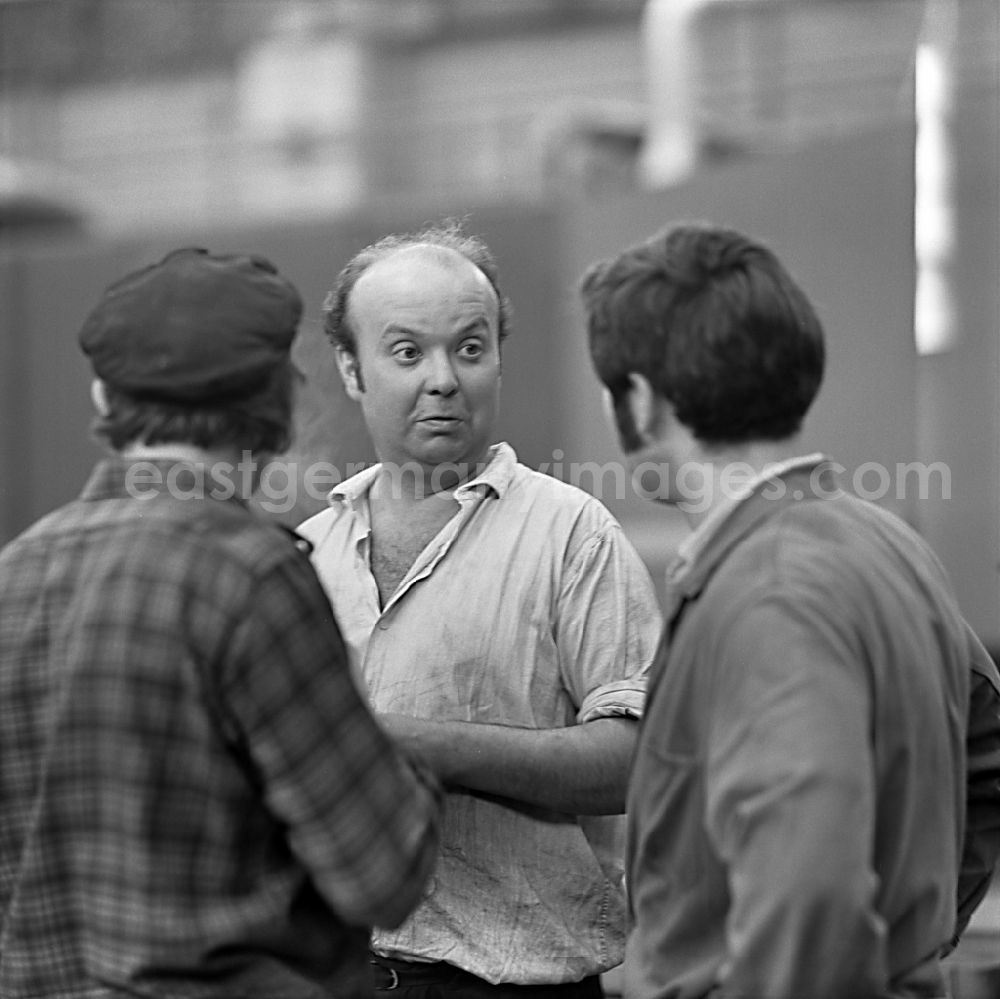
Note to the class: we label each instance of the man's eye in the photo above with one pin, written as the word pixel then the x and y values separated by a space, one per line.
pixel 405 352
pixel 471 349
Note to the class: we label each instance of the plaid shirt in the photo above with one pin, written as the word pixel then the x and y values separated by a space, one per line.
pixel 195 799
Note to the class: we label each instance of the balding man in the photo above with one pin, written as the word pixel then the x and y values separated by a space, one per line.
pixel 502 624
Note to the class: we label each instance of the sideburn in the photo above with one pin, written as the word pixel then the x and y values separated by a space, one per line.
pixel 628 435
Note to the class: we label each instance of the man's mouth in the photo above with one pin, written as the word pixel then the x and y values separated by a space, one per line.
pixel 440 422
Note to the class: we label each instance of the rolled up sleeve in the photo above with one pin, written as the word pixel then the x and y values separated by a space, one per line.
pixel 624 699
pixel 608 627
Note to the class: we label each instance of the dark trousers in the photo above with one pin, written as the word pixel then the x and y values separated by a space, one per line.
pixel 414 980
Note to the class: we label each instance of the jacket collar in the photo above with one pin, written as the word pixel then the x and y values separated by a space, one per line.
pixel 815 479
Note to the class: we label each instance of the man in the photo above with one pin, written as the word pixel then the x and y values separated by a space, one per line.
pixel 796 807
pixel 503 626
pixel 196 800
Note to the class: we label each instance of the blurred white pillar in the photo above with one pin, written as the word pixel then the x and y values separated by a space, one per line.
pixel 301 97
pixel 936 323
pixel 670 152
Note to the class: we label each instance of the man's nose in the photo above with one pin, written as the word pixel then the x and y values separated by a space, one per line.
pixel 441 378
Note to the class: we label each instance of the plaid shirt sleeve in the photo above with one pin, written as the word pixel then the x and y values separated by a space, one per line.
pixel 360 817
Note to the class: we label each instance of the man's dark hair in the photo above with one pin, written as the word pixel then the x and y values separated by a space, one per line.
pixel 718 327
pixel 260 423
pixel 449 235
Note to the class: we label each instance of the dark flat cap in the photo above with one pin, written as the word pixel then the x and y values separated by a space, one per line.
pixel 195 328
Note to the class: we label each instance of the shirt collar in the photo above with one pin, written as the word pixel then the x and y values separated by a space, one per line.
pixel 495 476
pixel 118 477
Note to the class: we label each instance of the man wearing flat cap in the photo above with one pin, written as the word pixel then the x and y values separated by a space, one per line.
pixel 196 800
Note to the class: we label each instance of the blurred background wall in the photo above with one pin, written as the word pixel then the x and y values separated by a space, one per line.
pixel 858 137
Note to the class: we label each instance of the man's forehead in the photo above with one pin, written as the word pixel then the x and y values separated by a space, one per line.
pixel 413 269
pixel 421 257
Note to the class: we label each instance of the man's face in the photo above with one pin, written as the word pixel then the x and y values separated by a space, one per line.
pixel 426 327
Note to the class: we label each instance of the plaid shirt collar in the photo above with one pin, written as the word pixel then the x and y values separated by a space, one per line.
pixel 145 478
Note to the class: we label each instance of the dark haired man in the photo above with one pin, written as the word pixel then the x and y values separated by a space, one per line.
pixel 503 626
pixel 196 800
pixel 797 803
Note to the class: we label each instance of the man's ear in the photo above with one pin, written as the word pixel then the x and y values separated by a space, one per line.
pixel 99 397
pixel 646 407
pixel 350 373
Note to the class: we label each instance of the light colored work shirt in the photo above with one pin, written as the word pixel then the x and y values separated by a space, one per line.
pixel 531 609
